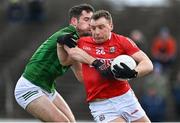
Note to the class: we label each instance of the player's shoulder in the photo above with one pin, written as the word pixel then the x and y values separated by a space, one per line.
pixel 119 37
pixel 70 27
pixel 66 30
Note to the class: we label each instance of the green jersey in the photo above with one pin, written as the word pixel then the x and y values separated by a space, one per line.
pixel 44 66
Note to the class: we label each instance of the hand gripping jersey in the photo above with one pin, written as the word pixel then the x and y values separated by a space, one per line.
pixel 98 87
pixel 44 67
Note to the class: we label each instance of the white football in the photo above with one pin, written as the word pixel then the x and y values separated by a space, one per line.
pixel 128 60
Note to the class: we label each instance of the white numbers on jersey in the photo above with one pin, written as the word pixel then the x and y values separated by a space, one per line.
pixel 100 50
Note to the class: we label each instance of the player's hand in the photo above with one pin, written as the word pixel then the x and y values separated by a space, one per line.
pixel 104 69
pixel 124 72
pixel 67 40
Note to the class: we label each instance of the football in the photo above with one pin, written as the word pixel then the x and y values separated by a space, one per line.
pixel 128 60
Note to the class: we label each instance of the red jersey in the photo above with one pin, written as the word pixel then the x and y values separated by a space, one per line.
pixel 161 46
pixel 96 85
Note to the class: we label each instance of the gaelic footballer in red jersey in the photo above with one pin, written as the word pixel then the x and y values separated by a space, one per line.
pixel 110 100
pixel 106 52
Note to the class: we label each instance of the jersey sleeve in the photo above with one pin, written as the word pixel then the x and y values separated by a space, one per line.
pixel 129 46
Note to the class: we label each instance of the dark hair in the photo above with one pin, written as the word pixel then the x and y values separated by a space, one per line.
pixel 76 11
pixel 102 13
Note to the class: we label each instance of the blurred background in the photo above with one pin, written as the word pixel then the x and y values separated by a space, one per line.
pixel 152 24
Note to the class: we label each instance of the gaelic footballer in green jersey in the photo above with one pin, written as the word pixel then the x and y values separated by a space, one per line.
pixel 35 90
pixel 44 67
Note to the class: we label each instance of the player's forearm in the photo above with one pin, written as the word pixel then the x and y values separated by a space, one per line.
pixel 80 55
pixel 77 69
pixel 63 56
pixel 144 67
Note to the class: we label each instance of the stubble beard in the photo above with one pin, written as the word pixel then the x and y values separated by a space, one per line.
pixel 83 33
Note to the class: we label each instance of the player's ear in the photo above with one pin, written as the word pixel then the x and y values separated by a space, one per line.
pixel 111 26
pixel 74 21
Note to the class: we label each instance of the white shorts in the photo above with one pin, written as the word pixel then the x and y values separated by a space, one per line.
pixel 25 92
pixel 126 106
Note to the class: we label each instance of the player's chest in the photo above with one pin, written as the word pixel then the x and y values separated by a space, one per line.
pixel 103 51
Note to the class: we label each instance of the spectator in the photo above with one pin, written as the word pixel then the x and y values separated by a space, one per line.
pixel 36 10
pixel 138 37
pixel 154 105
pixel 158 80
pixel 156 90
pixel 15 11
pixel 163 48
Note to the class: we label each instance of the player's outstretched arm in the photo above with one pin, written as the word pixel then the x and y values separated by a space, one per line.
pixel 81 56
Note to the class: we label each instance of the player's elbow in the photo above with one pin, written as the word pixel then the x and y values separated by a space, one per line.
pixel 64 63
pixel 149 66
pixel 80 80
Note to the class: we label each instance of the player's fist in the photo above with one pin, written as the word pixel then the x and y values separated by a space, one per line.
pixel 104 69
pixel 124 72
pixel 68 40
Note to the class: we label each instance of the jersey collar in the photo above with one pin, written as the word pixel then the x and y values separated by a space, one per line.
pixel 110 35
